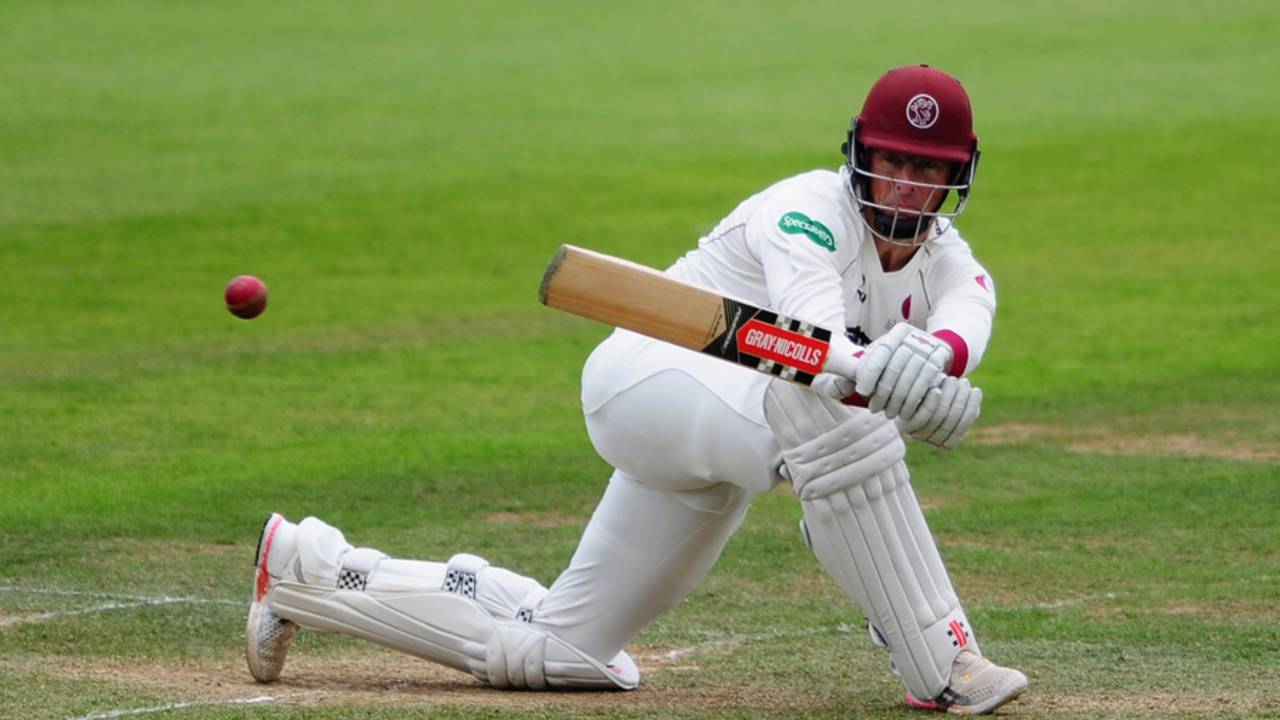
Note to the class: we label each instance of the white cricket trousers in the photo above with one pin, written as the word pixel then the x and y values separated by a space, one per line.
pixel 687 464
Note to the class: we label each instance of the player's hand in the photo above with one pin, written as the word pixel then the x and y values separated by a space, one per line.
pixel 958 407
pixel 902 370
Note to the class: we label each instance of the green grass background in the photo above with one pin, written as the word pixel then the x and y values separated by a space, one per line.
pixel 399 174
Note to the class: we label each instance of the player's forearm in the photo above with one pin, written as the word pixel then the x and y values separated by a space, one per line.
pixel 964 325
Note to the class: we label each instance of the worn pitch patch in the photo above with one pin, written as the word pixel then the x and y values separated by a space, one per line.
pixel 1109 441
pixel 372 676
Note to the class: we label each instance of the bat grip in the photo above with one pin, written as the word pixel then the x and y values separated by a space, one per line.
pixel 855 400
pixel 842 360
pixel 842 356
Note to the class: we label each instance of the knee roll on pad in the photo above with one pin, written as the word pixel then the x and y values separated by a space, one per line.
pixel 519 656
pixel 827 446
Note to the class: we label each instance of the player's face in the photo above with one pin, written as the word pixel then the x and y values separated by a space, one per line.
pixel 904 172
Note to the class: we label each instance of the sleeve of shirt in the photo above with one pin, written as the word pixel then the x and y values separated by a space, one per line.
pixel 801 250
pixel 963 309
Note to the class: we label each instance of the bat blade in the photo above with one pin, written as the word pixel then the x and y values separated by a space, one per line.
pixel 628 295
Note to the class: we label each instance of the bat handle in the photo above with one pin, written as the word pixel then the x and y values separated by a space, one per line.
pixel 842 360
pixel 842 356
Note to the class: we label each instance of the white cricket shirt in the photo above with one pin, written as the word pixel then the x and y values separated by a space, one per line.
pixel 799 248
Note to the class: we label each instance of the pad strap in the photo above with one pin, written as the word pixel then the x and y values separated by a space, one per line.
pixel 462 574
pixel 355 566
pixel 524 613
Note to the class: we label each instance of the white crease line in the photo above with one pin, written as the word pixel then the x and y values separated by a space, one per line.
pixel 735 640
pixel 110 596
pixel 180 705
pixel 91 610
pixel 173 706
pixel 133 601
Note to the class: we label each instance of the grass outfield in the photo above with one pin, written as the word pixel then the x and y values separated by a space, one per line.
pixel 399 176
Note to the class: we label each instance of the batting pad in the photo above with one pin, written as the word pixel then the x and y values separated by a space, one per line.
pixel 453 630
pixel 872 538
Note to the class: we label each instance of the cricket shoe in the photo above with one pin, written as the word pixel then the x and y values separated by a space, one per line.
pixel 978 686
pixel 267 635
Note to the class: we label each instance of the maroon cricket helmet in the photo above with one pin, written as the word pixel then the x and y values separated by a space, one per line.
pixel 918 110
pixel 913 110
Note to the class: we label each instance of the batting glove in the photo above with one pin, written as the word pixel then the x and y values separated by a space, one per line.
pixel 902 370
pixel 958 406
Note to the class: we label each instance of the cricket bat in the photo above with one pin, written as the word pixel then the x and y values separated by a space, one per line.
pixel 628 295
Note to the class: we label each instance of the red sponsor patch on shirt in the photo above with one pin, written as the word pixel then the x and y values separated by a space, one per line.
pixel 982 282
pixel 906 308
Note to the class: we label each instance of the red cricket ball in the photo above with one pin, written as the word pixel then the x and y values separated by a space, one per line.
pixel 246 296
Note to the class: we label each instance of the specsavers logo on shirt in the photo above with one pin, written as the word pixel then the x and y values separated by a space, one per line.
pixel 796 223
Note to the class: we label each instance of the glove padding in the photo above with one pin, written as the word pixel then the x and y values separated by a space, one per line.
pixel 901 372
pixel 958 407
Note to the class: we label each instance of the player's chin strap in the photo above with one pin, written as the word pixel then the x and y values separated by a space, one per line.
pixel 863 522
pixel 449 626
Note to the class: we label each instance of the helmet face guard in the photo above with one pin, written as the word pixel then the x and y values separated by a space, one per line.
pixel 914 111
pixel 907 227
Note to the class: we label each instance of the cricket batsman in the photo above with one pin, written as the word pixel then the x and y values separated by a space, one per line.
pixel 870 252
